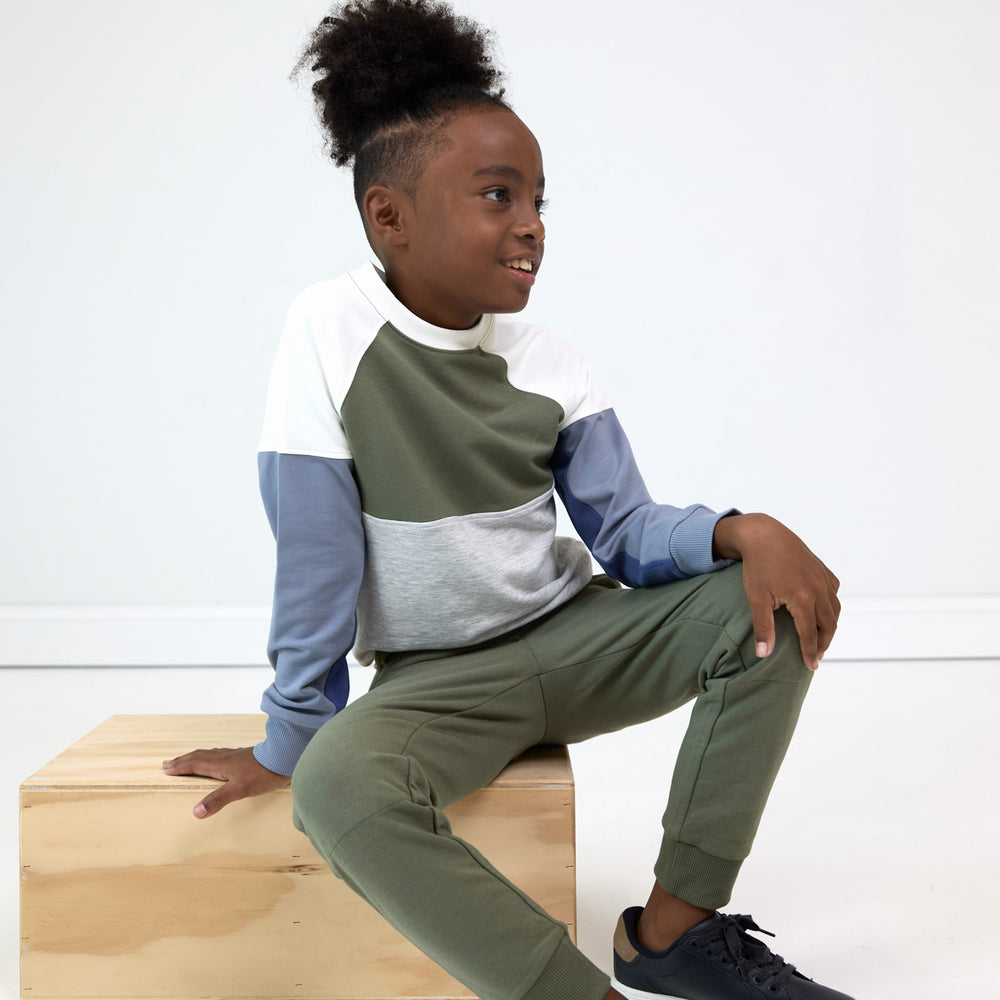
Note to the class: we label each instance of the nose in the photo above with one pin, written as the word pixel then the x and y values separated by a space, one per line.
pixel 530 225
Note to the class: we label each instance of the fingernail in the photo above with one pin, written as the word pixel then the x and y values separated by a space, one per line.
pixel 200 811
pixel 761 649
pixel 167 763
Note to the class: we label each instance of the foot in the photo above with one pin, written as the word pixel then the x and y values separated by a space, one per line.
pixel 716 959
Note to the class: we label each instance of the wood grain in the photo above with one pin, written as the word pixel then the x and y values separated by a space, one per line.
pixel 125 894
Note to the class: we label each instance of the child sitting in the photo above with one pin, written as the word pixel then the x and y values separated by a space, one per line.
pixel 415 436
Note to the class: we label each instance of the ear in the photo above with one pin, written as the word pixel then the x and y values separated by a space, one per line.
pixel 385 215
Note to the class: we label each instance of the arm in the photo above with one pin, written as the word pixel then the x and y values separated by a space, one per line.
pixel 314 510
pixel 643 544
pixel 635 540
pixel 313 506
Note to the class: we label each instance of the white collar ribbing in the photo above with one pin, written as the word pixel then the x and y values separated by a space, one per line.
pixel 371 283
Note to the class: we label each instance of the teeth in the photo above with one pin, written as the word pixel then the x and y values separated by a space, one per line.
pixel 522 265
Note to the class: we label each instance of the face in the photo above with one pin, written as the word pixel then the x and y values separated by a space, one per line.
pixel 470 240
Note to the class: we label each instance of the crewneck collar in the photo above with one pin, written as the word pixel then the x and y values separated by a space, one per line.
pixel 371 283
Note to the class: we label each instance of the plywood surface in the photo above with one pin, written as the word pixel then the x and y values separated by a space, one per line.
pixel 126 895
pixel 126 751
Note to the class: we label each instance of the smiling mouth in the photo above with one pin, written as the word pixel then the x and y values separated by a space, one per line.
pixel 522 264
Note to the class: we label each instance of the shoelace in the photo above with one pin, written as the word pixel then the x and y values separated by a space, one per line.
pixel 755 962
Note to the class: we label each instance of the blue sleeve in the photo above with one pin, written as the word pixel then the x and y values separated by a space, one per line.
pixel 636 541
pixel 313 506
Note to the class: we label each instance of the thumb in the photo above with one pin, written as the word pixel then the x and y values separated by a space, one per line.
pixel 214 801
pixel 762 615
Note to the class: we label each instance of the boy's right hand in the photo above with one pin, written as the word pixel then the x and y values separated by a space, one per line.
pixel 239 769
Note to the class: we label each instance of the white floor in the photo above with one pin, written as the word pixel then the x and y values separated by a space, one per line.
pixel 876 863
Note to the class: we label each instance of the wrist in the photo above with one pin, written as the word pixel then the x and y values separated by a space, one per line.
pixel 732 534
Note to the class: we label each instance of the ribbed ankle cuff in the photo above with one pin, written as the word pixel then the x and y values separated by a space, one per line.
pixel 696 877
pixel 569 975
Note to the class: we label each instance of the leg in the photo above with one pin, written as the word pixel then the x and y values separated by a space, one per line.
pixel 370 790
pixel 629 656
pixel 612 658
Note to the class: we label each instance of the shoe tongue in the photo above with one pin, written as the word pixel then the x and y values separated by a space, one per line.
pixel 713 922
pixel 715 925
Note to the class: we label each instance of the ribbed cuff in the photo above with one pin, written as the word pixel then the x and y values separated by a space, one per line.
pixel 691 541
pixel 282 746
pixel 696 877
pixel 569 975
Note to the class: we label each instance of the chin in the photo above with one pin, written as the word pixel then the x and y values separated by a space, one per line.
pixel 510 307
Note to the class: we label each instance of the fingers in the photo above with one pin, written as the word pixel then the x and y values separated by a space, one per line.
pixel 804 616
pixel 805 625
pixel 826 610
pixel 815 621
pixel 203 763
pixel 827 616
pixel 239 769
pixel 779 570
pixel 207 764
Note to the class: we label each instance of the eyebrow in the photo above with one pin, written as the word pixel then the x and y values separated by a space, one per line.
pixel 503 170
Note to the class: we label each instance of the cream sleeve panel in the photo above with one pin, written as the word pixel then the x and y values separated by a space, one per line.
pixel 328 329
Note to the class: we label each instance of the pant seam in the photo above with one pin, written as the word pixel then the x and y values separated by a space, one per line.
pixel 462 711
pixel 618 650
pixel 541 687
pixel 469 850
pixel 370 816
pixel 695 847
pixel 701 764
pixel 736 644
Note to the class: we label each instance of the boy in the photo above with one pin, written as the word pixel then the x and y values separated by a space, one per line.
pixel 414 439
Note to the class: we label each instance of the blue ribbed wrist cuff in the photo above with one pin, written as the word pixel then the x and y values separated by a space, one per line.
pixel 283 745
pixel 691 542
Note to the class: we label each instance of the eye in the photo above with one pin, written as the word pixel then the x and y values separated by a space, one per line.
pixel 498 194
pixel 541 205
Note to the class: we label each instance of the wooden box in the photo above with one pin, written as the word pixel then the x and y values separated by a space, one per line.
pixel 125 894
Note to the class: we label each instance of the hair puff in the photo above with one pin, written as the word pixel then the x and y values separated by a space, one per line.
pixel 379 63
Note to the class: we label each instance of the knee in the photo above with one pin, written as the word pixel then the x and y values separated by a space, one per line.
pixel 780 677
pixel 785 661
pixel 336 789
pixel 787 652
pixel 330 790
pixel 786 657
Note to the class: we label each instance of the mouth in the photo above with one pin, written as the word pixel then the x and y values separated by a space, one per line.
pixel 523 268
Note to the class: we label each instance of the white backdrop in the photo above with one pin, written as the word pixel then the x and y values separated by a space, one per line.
pixel 774 230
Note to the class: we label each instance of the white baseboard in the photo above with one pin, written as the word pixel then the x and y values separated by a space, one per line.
pixel 918 628
pixel 896 628
pixel 113 635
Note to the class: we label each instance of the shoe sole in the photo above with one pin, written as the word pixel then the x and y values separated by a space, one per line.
pixel 631 993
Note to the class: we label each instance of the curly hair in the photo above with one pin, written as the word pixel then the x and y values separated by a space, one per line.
pixel 389 74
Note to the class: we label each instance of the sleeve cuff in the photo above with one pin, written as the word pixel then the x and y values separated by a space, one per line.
pixel 691 542
pixel 282 746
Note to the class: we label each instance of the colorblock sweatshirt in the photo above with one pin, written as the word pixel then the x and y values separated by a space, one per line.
pixel 409 476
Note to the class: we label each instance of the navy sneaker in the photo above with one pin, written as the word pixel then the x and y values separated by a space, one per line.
pixel 717 960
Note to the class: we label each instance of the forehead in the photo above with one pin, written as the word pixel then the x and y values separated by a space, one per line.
pixel 479 142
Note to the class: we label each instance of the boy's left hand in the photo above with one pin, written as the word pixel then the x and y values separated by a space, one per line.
pixel 238 769
pixel 779 570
